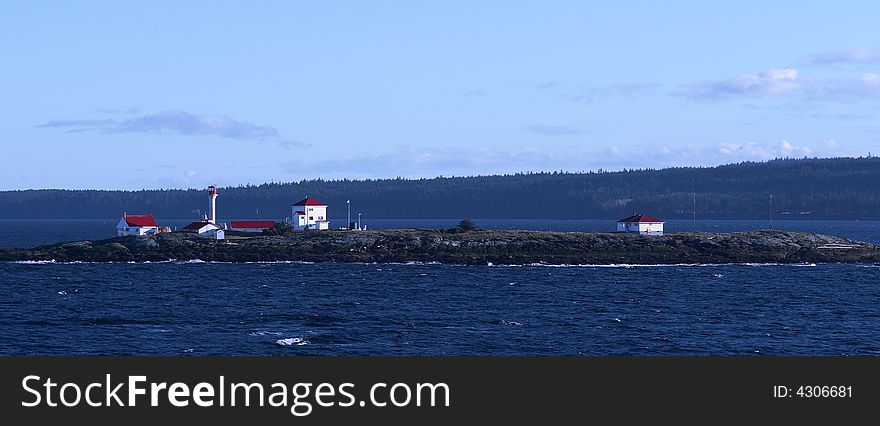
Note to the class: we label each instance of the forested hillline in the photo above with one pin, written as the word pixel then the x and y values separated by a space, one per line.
pixel 833 188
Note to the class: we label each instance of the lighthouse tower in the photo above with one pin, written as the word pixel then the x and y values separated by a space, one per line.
pixel 212 204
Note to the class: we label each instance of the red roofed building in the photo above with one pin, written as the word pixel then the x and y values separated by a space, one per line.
pixel 251 225
pixel 207 228
pixel 309 201
pixel 136 224
pixel 642 224
pixel 309 213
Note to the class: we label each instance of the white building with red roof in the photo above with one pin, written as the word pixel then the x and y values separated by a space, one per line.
pixel 642 224
pixel 136 224
pixel 309 213
pixel 206 228
pixel 209 226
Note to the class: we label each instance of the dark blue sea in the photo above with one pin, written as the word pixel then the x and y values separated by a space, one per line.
pixel 430 309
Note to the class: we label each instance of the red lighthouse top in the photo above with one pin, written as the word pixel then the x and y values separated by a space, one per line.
pixel 212 190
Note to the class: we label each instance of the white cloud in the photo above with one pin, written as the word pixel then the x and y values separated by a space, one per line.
pixel 787 82
pixel 759 152
pixel 748 151
pixel 831 144
pixel 844 56
pixel 774 82
pixel 790 149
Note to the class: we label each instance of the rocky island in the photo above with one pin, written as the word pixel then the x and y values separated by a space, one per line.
pixel 475 247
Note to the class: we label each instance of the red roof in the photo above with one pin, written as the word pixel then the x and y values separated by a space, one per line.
pixel 139 220
pixel 196 225
pixel 643 218
pixel 309 201
pixel 251 224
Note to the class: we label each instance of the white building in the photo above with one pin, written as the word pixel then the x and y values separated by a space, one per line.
pixel 209 227
pixel 136 224
pixel 251 225
pixel 309 213
pixel 205 228
pixel 642 224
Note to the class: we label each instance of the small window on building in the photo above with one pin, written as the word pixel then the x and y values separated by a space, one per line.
pixel 311 218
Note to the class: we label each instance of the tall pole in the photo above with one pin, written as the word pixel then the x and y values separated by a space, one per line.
pixel 348 223
pixel 694 193
pixel 771 211
pixel 359 221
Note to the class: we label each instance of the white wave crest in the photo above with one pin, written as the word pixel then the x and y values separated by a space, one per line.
pixel 264 333
pixel 290 341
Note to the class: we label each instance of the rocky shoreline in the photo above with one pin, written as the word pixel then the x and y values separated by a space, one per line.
pixel 472 248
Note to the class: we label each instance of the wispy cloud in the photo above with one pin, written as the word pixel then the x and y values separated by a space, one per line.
pixel 840 116
pixel 770 83
pixel 474 93
pixel 619 89
pixel 627 89
pixel 80 125
pixel 119 111
pixel 860 55
pixel 849 88
pixel 291 144
pixel 779 83
pixel 171 122
pixel 550 130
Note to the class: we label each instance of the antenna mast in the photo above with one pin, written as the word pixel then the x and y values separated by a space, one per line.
pixel 694 193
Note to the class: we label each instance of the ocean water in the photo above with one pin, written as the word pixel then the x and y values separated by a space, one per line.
pixel 198 308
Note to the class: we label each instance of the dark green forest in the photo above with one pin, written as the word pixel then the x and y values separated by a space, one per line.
pixel 834 188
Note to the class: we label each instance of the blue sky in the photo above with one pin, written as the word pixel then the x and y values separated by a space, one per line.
pixel 130 95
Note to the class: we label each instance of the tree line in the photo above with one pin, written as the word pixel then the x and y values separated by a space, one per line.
pixel 833 188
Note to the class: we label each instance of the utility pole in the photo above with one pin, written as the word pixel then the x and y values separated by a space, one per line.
pixel 771 211
pixel 348 223
pixel 694 193
pixel 359 221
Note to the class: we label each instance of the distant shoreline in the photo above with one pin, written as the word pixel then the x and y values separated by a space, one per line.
pixel 469 248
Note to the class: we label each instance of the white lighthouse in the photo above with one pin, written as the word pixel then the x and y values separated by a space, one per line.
pixel 212 204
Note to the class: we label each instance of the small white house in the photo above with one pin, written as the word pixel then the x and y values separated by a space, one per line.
pixel 251 225
pixel 206 228
pixel 642 224
pixel 309 213
pixel 136 224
